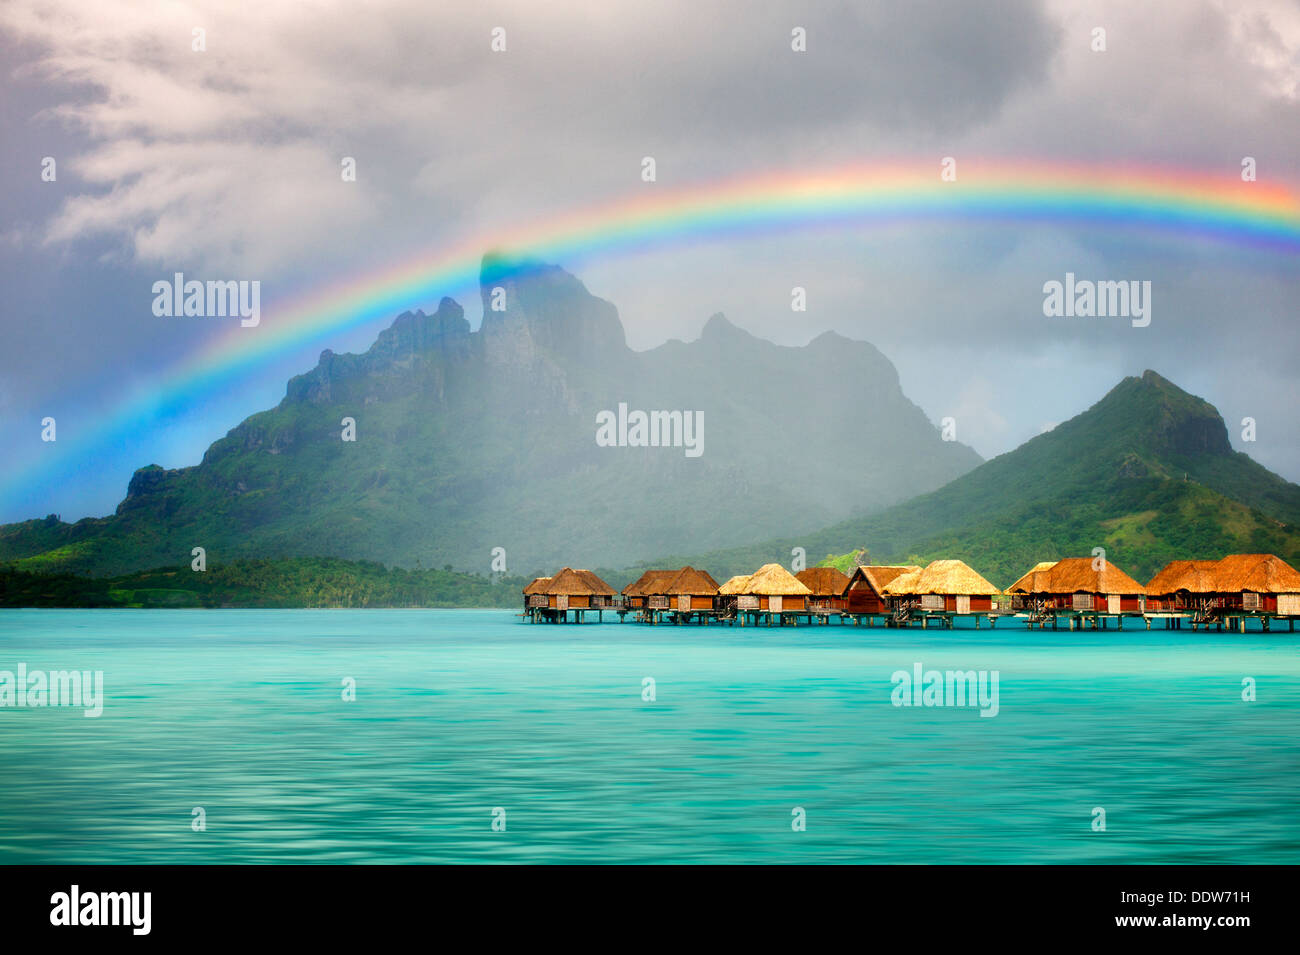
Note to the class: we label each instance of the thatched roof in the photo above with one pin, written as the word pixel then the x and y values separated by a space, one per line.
pixel 823 581
pixel 904 583
pixel 1075 575
pixel 537 586
pixel 1190 575
pixel 942 577
pixel 647 582
pixel 596 585
pixel 575 583
pixel 878 576
pixel 688 580
pixel 774 580
pixel 1258 573
pixel 736 585
pixel 1034 581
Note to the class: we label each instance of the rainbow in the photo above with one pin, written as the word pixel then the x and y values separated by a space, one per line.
pixel 1153 201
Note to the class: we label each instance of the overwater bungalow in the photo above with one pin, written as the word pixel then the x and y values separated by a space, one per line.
pixel 1170 590
pixel 827 585
pixel 1241 583
pixel 777 590
pixel 688 591
pixel 942 586
pixel 551 598
pixel 770 589
pixel 729 594
pixel 865 591
pixel 1258 583
pixel 1075 584
pixel 636 595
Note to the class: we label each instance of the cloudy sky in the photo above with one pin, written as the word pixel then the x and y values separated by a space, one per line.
pixel 225 162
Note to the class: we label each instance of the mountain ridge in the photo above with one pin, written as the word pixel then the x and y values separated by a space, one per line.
pixel 468 440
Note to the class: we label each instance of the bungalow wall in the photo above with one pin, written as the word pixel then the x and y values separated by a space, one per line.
pixel 1171 603
pixel 862 599
pixel 827 602
pixel 1243 601
pixel 1183 600
pixel 787 603
pixel 952 603
pixel 689 602
pixel 579 601
pixel 1098 602
pixel 977 603
pixel 1260 603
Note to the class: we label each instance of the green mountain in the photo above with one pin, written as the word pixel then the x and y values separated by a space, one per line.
pixel 1147 473
pixel 470 440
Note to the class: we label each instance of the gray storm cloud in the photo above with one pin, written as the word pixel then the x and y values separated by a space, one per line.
pixel 227 160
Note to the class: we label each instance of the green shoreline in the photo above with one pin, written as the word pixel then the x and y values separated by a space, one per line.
pixel 287 583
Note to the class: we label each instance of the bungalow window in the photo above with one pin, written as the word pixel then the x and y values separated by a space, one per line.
pixel 932 601
pixel 1249 601
pixel 1083 601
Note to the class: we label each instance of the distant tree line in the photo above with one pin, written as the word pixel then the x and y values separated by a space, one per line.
pixel 284 583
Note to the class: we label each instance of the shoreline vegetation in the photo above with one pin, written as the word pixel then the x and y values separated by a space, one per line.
pixel 283 583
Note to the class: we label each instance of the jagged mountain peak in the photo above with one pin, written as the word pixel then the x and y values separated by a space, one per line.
pixel 1160 417
pixel 550 306
pixel 439 444
pixel 721 328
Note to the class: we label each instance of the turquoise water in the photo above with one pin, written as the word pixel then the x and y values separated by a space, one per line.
pixel 460 712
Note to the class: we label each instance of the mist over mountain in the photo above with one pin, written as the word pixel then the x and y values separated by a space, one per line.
pixel 1147 473
pixel 466 441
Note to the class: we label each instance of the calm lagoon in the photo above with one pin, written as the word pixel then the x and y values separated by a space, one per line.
pixel 458 713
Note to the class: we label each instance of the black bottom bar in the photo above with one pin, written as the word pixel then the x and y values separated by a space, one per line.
pixel 966 905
